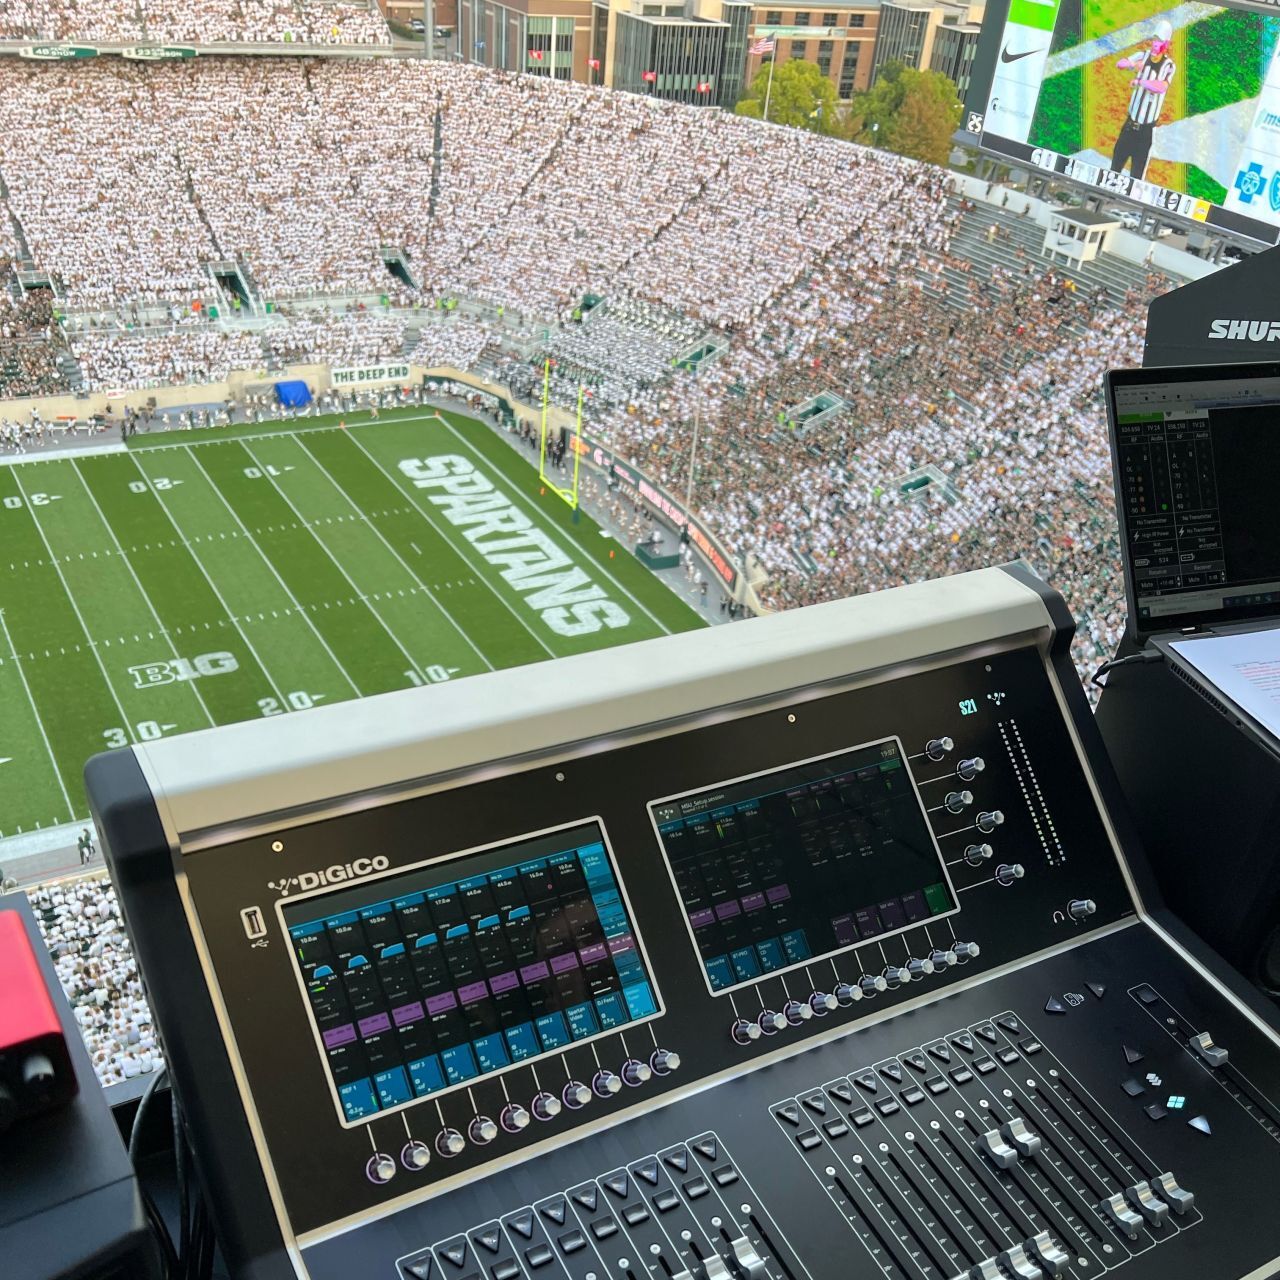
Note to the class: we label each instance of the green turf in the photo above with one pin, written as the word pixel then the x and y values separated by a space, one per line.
pixel 275 567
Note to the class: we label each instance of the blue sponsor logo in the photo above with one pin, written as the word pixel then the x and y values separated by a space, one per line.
pixel 1250 182
pixel 1273 193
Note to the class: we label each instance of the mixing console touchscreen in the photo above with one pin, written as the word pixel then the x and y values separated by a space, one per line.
pixel 801 863
pixel 423 980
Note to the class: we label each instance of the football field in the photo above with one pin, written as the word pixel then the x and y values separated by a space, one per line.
pixel 200 578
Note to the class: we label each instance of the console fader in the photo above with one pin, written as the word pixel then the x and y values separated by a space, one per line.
pixel 808 948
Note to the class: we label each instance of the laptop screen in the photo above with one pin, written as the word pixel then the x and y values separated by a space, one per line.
pixel 1196 453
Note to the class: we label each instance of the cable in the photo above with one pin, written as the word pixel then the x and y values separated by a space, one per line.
pixel 158 1226
pixel 1147 655
pixel 180 1168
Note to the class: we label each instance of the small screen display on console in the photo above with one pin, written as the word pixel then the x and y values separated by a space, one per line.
pixel 421 981
pixel 786 867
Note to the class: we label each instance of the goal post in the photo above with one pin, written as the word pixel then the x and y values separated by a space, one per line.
pixel 567 493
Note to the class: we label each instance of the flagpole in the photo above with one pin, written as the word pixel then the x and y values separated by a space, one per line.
pixel 773 57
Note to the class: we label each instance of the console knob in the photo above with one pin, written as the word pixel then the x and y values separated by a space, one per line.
pixel 1008 872
pixel 771 1022
pixel 635 1072
pixel 744 1032
pixel 605 1083
pixel 956 800
pixel 823 1003
pixel 415 1155
pixel 872 985
pixel 665 1061
pixel 796 1013
pixel 896 975
pixel 546 1106
pixel 449 1142
pixel 1081 908
pixel 969 769
pixel 576 1095
pixel 976 854
pixel 482 1130
pixel 936 748
pixel 514 1117
pixel 846 993
pixel 989 819
pixel 919 968
pixel 966 951
pixel 942 960
pixel 380 1168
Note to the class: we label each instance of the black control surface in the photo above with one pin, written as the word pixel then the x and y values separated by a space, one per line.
pixel 979 1131
pixel 851 983
pixel 986 784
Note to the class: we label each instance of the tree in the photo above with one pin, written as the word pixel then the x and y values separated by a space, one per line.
pixel 801 96
pixel 911 112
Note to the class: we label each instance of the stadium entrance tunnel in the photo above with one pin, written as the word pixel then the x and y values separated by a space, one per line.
pixel 396 262
pixel 233 287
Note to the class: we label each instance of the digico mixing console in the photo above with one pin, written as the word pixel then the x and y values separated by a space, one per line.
pixel 807 948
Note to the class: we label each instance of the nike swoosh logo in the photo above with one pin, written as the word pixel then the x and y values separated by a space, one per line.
pixel 1006 56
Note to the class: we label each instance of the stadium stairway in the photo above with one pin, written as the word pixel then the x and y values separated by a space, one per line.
pixel 1115 275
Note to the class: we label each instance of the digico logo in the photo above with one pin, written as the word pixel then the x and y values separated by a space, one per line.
pixel 336 874
pixel 1246 330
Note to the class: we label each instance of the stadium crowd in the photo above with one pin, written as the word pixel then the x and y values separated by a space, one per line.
pixel 28 347
pixel 81 925
pixel 346 22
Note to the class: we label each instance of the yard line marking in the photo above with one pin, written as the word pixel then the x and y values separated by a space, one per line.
pixel 475 453
pixel 111 689
pixel 137 582
pixel 426 515
pixel 48 746
pixel 297 604
pixel 324 471
pixel 276 688
pixel 266 475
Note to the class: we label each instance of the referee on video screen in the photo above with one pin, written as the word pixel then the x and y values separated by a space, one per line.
pixel 1153 72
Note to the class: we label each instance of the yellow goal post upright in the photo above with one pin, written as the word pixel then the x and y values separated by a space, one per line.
pixel 567 494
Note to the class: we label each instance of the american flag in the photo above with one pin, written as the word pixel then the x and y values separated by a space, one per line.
pixel 762 46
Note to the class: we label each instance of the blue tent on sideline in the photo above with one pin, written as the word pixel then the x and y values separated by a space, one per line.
pixel 293 395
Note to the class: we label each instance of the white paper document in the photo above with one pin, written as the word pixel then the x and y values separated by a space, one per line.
pixel 1245 667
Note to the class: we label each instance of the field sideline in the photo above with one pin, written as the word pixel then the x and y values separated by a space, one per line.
pixel 205 577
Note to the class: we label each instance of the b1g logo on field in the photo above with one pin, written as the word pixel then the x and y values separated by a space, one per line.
pixel 178 669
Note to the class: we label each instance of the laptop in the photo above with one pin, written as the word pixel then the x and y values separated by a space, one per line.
pixel 1195 454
